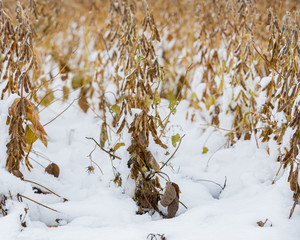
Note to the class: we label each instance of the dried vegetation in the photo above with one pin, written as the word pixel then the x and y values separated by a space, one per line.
pixel 239 52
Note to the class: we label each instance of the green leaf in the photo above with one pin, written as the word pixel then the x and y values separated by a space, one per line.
pixel 116 109
pixel 205 150
pixel 175 139
pixel 144 169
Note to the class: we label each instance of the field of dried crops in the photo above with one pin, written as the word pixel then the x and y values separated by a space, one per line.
pixel 142 81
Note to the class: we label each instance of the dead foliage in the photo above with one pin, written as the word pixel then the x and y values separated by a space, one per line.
pixel 52 169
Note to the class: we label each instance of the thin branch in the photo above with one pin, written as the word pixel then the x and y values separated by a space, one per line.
pixel 65 200
pixel 205 180
pixel 91 159
pixel 174 106
pixel 22 196
pixel 173 153
pixel 110 154
pixel 183 204
pixel 61 112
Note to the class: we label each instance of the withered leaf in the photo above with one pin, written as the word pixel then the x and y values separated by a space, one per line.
pixel 118 145
pixel 152 162
pixel 37 133
pixel 30 137
pixel 83 104
pixel 173 208
pixel 52 169
pixel 169 195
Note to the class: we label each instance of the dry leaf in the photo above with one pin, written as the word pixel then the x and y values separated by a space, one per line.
pixel 169 195
pixel 38 134
pixel 83 104
pixel 153 163
pixel 52 169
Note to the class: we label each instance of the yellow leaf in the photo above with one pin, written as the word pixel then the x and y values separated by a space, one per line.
pixel 210 100
pixel 48 98
pixel 118 145
pixel 30 137
pixel 77 81
pixel 176 138
pixel 116 109
pixel 205 150
pixel 38 134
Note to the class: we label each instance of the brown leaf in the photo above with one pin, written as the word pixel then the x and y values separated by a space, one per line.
pixel 52 169
pixel 83 104
pixel 173 208
pixel 169 195
pixel 152 162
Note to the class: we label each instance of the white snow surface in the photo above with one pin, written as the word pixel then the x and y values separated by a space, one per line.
pixel 99 209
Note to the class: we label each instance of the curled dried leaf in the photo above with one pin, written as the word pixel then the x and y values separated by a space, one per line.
pixel 52 169
pixel 152 162
pixel 173 208
pixel 169 195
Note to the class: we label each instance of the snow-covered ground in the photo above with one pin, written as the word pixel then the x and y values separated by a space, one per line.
pixel 98 209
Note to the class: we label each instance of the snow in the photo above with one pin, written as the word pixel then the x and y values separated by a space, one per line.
pixel 99 209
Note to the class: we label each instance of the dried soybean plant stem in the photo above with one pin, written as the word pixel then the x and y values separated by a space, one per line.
pixel 109 153
pixel 173 107
pixel 215 153
pixel 61 112
pixel 173 153
pixel 228 130
pixel 205 180
pixel 22 196
pixel 25 180
pixel 183 204
pixel 53 91
pixel 91 159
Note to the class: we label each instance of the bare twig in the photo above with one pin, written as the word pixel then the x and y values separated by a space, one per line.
pixel 174 106
pixel 22 196
pixel 25 180
pixel 61 112
pixel 173 153
pixel 91 159
pixel 110 154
